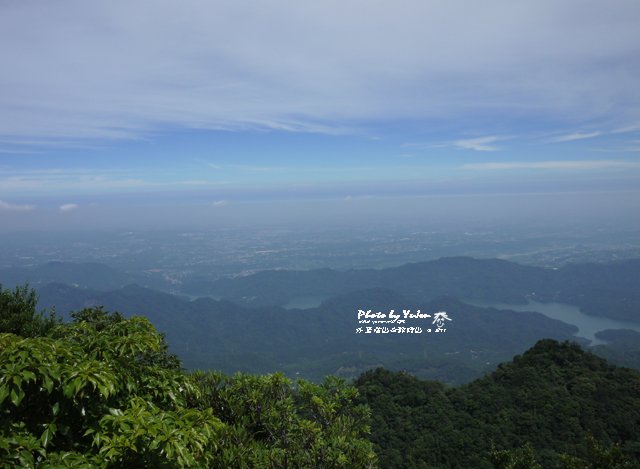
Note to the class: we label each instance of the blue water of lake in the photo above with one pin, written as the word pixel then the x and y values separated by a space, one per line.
pixel 587 325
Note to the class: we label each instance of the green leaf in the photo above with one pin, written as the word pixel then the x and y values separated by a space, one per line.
pixel 28 376
pixel 46 436
pixel 26 459
pixel 4 392
pixel 16 397
pixel 48 384
pixel 104 390
pixel 69 389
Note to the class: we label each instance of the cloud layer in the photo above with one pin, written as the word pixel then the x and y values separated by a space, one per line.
pixel 9 207
pixel 76 70
pixel 558 165
pixel 68 207
pixel 478 144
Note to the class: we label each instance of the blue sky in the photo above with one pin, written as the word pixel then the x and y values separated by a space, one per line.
pixel 212 104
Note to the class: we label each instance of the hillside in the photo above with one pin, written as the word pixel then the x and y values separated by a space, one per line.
pixel 250 330
pixel 314 342
pixel 103 391
pixel 610 290
pixel 553 397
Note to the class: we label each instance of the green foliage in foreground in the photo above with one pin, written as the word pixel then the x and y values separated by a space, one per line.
pixel 102 391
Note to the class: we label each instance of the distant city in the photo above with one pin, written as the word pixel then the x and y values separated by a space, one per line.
pixel 172 260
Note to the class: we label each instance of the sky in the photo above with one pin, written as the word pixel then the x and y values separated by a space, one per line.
pixel 118 111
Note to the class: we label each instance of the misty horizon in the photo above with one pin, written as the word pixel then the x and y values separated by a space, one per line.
pixel 225 115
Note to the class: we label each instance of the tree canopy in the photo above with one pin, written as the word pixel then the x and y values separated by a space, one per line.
pixel 555 405
pixel 103 391
pixel 19 315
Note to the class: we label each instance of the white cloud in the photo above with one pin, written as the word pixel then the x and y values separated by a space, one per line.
pixel 33 182
pixel 478 144
pixel 627 129
pixel 568 164
pixel 575 136
pixel 86 181
pixel 68 207
pixel 76 70
pixel 9 207
pixel 219 203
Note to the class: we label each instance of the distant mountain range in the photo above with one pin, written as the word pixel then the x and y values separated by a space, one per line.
pixel 249 330
pixel 86 275
pixel 207 333
pixel 611 290
pixel 92 275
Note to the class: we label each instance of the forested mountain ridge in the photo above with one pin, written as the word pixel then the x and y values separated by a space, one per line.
pixel 607 289
pixel 103 391
pixel 249 331
pixel 318 341
pixel 554 398
pixel 611 290
pixel 460 277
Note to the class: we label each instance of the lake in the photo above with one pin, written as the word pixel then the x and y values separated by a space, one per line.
pixel 587 325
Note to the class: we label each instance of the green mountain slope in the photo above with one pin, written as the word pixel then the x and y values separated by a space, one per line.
pixel 315 342
pixel 553 397
pixel 611 290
